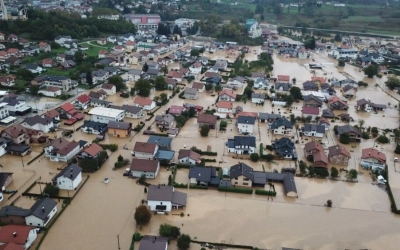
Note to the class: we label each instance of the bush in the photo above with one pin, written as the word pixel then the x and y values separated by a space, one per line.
pixel 137 236
pixel 382 139
pixel 269 147
pixel 111 147
pixel 265 192
pixel 254 157
pixel 235 190
pixel 138 127
pixel 334 172
pixel 51 190
pixel 322 172
pixel 180 185
pixel 169 231
pixel 397 150
pixel 204 130
pixel 142 215
pixel 374 131
pixel 353 174
pixel 120 164
pixel 183 242
pixel 344 138
pixel 199 151
pixel 268 157
pixel 365 135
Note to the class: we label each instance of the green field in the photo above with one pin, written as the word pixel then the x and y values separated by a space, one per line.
pixel 56 72
pixel 363 19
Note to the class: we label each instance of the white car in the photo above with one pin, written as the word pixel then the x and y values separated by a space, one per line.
pixel 80 90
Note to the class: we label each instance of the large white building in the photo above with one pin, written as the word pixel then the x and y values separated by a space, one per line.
pixel 164 198
pixel 104 115
pixel 242 145
pixel 344 53
pixel 253 29
pixel 69 178
pixel 43 123
pixel 144 21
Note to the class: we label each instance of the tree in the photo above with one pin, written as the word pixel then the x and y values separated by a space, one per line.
pixel 143 87
pixel 269 157
pixel 145 67
pixel 329 203
pixel 164 70
pixel 180 121
pixel 194 53
pixel 295 92
pixel 311 171
pixel 254 157
pixel 169 231
pixel 89 78
pixel 192 112
pixel 34 89
pixel 352 174
pixel 78 57
pixel 397 150
pixel 120 158
pixel 277 10
pixel 392 82
pixel 344 138
pixel 280 29
pixel 218 88
pixel 160 83
pixel 177 30
pixel 204 130
pixel 51 190
pixel 361 123
pixel 118 82
pixel 25 74
pixel 362 84
pixel 341 63
pixel 259 9
pixel 142 215
pixel 382 139
pixel 371 71
pixel 163 97
pixel 183 242
pixel 334 172
pixel 337 38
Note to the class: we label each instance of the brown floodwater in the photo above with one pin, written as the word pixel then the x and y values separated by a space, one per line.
pixel 360 217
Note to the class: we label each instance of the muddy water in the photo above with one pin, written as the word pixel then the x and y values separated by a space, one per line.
pixel 102 211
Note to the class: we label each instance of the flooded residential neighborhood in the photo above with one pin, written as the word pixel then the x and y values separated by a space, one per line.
pixel 272 203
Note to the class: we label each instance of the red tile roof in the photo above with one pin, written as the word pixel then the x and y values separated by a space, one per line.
pixel 223 104
pixel 319 79
pixel 283 78
pixel 144 165
pixel 52 113
pixel 11 246
pixel 310 110
pixel 189 153
pixel 67 106
pixel 142 101
pixel 373 153
pixel 175 109
pixel 93 149
pixel 83 98
pixel 145 147
pixel 227 92
pixel 207 118
pixel 6 234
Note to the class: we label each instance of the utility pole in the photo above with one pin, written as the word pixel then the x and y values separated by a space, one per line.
pixel 23 165
pixel 118 241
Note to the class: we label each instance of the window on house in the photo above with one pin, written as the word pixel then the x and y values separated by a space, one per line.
pixel 245 183
pixel 236 178
pixel 246 179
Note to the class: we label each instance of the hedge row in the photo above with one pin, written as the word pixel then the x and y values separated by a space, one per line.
pixel 159 134
pixel 29 162
pixel 198 187
pixel 111 147
pixel 179 166
pixel 265 192
pixel 224 244
pixel 138 127
pixel 208 160
pixel 235 190
pixel 199 151
pixel 180 185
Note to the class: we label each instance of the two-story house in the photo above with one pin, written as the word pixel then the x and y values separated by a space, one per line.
pixel 227 95
pixel 224 107
pixel 336 103
pixel 285 148
pixel 317 152
pixel 144 103
pixel 144 150
pixel 281 126
pixel 187 156
pixel 354 133
pixel 313 130
pixel 61 150
pixel 242 145
pixel 69 177
pixel 339 155
pixel 373 159
pixel 312 101
pixel 246 124
pixel 165 122
pixel 43 123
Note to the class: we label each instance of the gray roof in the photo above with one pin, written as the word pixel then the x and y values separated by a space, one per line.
pixel 149 242
pixel 312 97
pixel 166 118
pixel 284 146
pixel 42 208
pixel 166 193
pixel 246 119
pixel 191 91
pixel 3 178
pixel 266 116
pixel 31 66
pixel 281 122
pixel 13 147
pixel 160 140
pixel 309 85
pixel 347 129
pixel 241 169
pixel 259 177
pixel 328 113
pixel 38 120
pixel 287 178
pixel 71 172
pixel 102 127
pixel 153 72
pixel 242 140
pixel 128 108
pixel 136 72
pixel 257 95
pixel 285 86
pixel 205 174
pixel 119 125
pixel 14 211
pixel 101 102
pixel 314 127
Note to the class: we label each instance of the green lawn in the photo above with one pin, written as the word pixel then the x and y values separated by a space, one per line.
pixel 94 48
pixel 56 72
pixel 363 19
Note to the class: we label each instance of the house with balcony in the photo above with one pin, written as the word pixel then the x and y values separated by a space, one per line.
pixel 61 149
pixel 16 106
pixel 43 123
pixel 281 126
pixel 204 176
pixel 165 122
pixel 245 124
pixel 227 95
pixel 336 103
pixel 163 199
pixel 285 149
pixel 339 155
pixel 368 106
pixel 313 130
pixel 354 133
pixel 241 145
pixel 316 151
pixel 373 159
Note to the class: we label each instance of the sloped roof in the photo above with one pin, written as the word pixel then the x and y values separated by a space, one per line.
pixel 281 121
pixel 93 149
pixel 83 98
pixel 71 171
pixel 43 207
pixel 144 165
pixel 145 147
pixel 338 149
pixel 373 153
pixel 22 232
pixel 189 153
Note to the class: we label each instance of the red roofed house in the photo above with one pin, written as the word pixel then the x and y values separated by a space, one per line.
pixel 45 47
pixel 175 110
pixel 178 76
pixel 12 38
pixel 11 246
pixel 61 150
pixel 210 74
pixel 145 150
pixel 199 86
pixel 225 107
pixel 373 159
pixel 310 111
pixel 187 156
pixel 3 56
pixel 195 68
pixel 130 45
pixel 18 234
pixel 149 168
pixel 67 111
pixel 50 91
pixel 318 79
pixel 314 149
pixel 336 103
pixel 102 53
pixel 13 52
pixel 91 152
pixel 82 101
pixel 144 102
pixel 283 78
pixel 338 155
pixel 227 95
pixel 47 63
pixel 7 80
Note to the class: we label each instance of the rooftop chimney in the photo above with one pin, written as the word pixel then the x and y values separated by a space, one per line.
pixel 43 209
pixel 15 234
